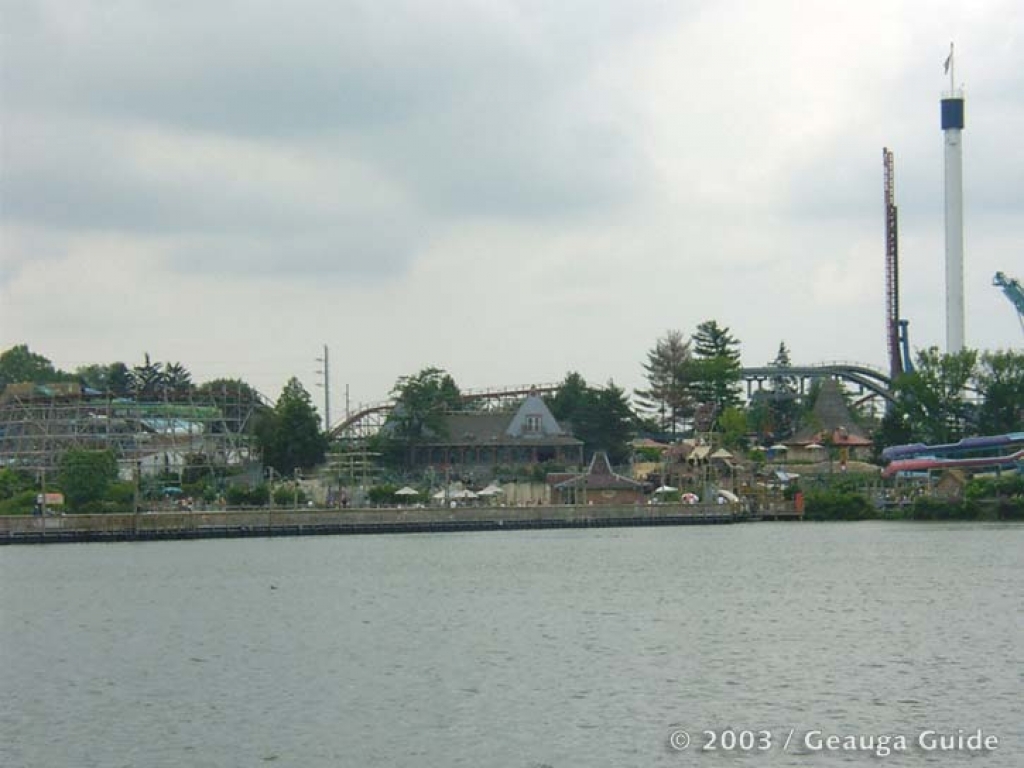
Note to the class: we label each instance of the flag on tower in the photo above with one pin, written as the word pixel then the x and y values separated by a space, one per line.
pixel 949 60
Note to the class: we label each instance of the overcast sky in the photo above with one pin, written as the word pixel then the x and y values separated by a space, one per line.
pixel 507 190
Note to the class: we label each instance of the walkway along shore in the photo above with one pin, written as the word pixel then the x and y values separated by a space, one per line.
pixel 153 526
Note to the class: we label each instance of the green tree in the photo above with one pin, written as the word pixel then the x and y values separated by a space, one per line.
pixel 616 423
pixel 147 380
pixel 1000 382
pixel 715 369
pixel 895 429
pixel 668 370
pixel 601 417
pixel 733 426
pixel 290 435
pixel 86 476
pixel 783 407
pixel 93 375
pixel 421 402
pixel 13 482
pixel 931 402
pixel 19 364
pixel 239 403
pixel 114 379
pixel 177 381
pixel 570 398
pixel 119 380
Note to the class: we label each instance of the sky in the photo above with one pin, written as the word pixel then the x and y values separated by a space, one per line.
pixel 506 190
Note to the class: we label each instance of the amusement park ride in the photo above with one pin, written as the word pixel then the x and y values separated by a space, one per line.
pixel 1014 292
pixel 896 328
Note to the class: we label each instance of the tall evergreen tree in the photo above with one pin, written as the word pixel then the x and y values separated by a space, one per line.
pixel 668 372
pixel 616 425
pixel 569 399
pixel 783 409
pixel 715 378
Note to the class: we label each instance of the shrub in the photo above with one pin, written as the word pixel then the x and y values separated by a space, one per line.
pixel 104 507
pixel 995 487
pixel 285 495
pixel 1011 509
pixel 21 503
pixel 838 505
pixel 932 508
pixel 239 496
pixel 382 494
pixel 14 482
pixel 121 493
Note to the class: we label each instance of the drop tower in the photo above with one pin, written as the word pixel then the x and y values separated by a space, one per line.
pixel 952 129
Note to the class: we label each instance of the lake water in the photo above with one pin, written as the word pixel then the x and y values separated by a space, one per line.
pixel 527 649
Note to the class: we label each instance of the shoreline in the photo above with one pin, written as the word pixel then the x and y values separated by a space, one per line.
pixel 164 526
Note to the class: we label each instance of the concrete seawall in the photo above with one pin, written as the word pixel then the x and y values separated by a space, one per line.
pixel 284 522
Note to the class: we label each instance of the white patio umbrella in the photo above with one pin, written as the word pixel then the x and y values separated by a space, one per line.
pixel 491 490
pixel 665 489
pixel 407 491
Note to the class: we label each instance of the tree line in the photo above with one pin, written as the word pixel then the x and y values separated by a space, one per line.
pixel 692 385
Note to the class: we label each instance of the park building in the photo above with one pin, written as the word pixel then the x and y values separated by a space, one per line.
pixel 478 442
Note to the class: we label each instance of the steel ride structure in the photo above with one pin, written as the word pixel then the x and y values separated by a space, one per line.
pixel 1013 291
pixel 869 381
pixel 895 327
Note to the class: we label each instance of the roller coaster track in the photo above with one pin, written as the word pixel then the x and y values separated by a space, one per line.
pixel 867 378
pixel 366 418
pixel 355 422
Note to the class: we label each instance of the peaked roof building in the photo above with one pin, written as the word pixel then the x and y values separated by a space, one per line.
pixel 530 434
pixel 831 422
pixel 600 484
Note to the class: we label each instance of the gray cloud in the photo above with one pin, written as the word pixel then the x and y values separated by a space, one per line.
pixel 463 111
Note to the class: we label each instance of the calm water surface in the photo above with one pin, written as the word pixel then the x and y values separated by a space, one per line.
pixel 527 649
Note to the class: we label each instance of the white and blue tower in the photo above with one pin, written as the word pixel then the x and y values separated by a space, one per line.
pixel 952 128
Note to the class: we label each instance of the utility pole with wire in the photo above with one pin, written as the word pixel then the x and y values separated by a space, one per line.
pixel 326 372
